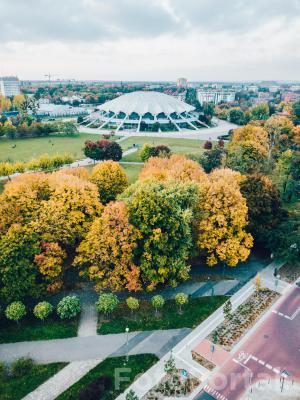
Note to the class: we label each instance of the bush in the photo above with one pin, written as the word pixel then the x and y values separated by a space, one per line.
pixel 21 367
pixel 157 302
pixel 181 299
pixel 103 150
pixel 147 152
pixel 15 311
pixel 131 395
pixel 107 303
pixel 95 389
pixel 68 307
pixel 3 371
pixel 42 310
pixel 208 145
pixel 132 303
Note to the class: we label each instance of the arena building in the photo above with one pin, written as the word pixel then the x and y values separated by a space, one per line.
pixel 145 111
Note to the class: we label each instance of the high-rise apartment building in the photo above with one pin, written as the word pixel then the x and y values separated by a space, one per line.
pixel 9 86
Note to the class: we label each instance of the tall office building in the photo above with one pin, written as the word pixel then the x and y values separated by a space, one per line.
pixel 182 83
pixel 9 86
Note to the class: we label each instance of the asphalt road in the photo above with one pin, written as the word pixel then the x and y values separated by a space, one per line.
pixel 273 347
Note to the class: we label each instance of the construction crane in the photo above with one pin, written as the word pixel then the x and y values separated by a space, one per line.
pixel 49 76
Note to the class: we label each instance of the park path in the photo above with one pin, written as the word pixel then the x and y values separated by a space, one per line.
pixel 61 381
pixel 93 347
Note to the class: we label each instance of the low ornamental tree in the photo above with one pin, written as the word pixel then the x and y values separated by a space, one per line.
pixel 107 303
pixel 170 366
pixel 133 304
pixel 42 310
pixel 147 152
pixel 181 299
pixel 157 302
pixel 163 151
pixel 15 311
pixel 68 307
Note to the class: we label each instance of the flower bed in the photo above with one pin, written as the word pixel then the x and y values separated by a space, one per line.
pixel 289 273
pixel 203 361
pixel 173 385
pixel 242 319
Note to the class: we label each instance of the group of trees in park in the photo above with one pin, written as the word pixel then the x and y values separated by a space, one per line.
pixel 20 128
pixel 132 237
pixel 243 115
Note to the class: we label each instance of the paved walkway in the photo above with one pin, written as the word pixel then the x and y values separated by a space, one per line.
pixel 94 347
pixel 60 382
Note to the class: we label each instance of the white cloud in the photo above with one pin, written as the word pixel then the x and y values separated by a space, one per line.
pixel 156 40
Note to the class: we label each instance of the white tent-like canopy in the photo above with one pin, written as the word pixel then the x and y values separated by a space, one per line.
pixel 144 108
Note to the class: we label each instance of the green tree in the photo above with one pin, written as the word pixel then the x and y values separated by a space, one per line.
pixel 107 303
pixel 287 175
pixel 148 151
pixel 131 395
pixel 260 112
pixel 296 112
pixel 19 277
pixel 157 302
pixel 265 211
pixel 236 115
pixel 15 311
pixel 162 214
pixel 68 307
pixel 42 310
pixel 132 303
pixel 227 310
pixel 181 299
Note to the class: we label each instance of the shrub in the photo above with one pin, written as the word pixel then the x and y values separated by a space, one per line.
pixel 207 145
pixel 163 151
pixel 42 310
pixel 107 303
pixel 3 371
pixel 103 150
pixel 96 388
pixel 147 152
pixel 157 302
pixel 15 311
pixel 68 307
pixel 181 299
pixel 132 303
pixel 131 395
pixel 21 366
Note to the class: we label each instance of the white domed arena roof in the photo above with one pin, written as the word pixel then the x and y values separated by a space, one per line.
pixel 146 102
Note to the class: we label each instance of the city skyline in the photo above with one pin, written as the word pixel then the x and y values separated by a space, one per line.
pixel 150 41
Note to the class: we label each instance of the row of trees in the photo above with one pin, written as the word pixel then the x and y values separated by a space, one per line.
pixel 18 128
pixel 43 163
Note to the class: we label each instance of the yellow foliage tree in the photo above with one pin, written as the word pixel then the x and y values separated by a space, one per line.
pixel 250 133
pixel 50 260
pixel 106 254
pixel 68 213
pixel 221 234
pixel 176 167
pixel 18 100
pixel 110 179
pixel 80 172
pixel 5 103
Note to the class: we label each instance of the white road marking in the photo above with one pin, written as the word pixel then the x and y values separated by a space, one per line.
pixel 261 362
pixel 269 366
pixel 276 371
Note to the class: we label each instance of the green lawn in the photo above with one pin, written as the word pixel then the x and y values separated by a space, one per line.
pixel 178 146
pixel 27 149
pixel 33 329
pixel 136 365
pixel 15 388
pixel 196 311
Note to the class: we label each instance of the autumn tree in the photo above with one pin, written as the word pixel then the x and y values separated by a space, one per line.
pixel 103 150
pixel 162 215
pixel 236 115
pixel 19 277
pixel 221 227
pixel 50 260
pixel 287 175
pixel 260 112
pixel 296 112
pixel 69 212
pixel 174 168
pixel 265 209
pixel 106 255
pixel 280 132
pixel 110 179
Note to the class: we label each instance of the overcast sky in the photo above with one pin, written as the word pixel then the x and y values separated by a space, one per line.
pixel 151 39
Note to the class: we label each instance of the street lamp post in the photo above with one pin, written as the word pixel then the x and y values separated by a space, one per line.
pixel 127 334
